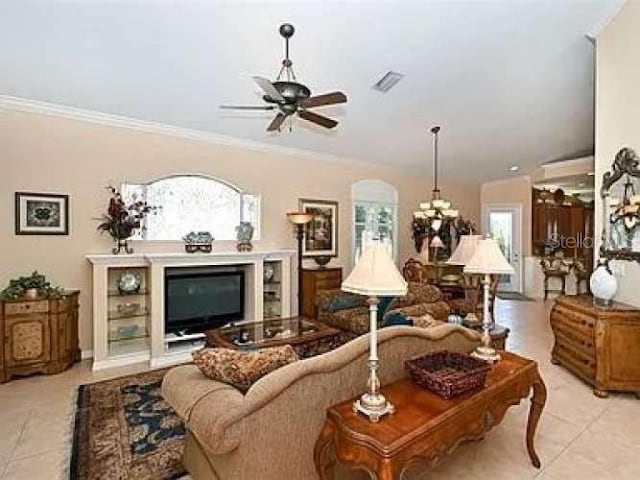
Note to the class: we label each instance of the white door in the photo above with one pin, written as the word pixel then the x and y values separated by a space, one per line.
pixel 503 222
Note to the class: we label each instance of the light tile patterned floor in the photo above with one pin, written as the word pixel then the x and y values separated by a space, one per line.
pixel 580 437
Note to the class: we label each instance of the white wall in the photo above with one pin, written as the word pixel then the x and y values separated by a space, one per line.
pixel 618 115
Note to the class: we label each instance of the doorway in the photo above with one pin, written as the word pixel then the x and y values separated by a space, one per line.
pixel 504 223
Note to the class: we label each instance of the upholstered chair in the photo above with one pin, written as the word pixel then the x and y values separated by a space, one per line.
pixel 581 273
pixel 554 268
pixel 414 271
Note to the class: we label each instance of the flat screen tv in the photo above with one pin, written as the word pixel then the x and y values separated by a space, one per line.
pixel 198 299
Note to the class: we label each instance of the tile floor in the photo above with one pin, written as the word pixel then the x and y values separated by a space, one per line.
pixel 580 436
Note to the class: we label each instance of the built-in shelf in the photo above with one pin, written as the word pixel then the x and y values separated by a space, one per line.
pixel 123 316
pixel 118 293
pixel 263 298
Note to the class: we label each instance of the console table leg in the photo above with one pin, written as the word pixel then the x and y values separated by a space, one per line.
pixel 538 400
pixel 322 454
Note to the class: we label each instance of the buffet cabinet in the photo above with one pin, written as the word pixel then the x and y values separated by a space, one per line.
pixel 40 336
pixel 601 345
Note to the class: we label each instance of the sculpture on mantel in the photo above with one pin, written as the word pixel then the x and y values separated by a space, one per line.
pixel 244 234
pixel 122 220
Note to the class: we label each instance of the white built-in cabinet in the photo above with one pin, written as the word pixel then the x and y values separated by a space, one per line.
pixel 128 328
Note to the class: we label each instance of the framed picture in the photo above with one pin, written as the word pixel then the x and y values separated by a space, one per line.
pixel 42 214
pixel 321 233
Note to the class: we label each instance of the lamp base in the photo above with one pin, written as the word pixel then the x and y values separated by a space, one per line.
pixel 488 354
pixel 373 406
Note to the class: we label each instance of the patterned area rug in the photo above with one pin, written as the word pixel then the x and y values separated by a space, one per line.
pixel 124 430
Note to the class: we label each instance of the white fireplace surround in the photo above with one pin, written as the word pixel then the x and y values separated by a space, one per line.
pixel 158 353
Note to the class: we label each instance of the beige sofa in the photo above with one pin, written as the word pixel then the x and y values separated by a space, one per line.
pixel 269 433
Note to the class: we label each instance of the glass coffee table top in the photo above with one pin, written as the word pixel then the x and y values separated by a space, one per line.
pixel 270 333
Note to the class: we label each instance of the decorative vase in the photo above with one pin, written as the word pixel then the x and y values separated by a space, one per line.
pixel 322 260
pixel 603 284
pixel 31 293
pixel 244 234
pixel 122 245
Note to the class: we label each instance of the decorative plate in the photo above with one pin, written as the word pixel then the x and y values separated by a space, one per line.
pixel 129 282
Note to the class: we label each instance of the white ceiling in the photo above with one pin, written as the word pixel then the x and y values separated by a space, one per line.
pixel 511 81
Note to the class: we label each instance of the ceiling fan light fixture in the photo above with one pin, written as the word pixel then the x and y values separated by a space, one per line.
pixel 387 81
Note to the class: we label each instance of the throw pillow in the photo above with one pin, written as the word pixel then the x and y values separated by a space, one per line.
pixel 242 368
pixel 396 318
pixel 425 321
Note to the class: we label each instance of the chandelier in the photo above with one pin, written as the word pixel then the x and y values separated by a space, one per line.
pixel 438 209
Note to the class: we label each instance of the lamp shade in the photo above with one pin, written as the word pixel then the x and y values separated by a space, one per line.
pixel 375 274
pixel 488 258
pixel 465 249
pixel 299 218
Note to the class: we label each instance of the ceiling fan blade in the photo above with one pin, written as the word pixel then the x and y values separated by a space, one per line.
pixel 277 122
pixel 247 107
pixel 318 119
pixel 325 99
pixel 269 89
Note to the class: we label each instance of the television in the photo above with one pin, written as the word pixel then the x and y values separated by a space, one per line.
pixel 199 299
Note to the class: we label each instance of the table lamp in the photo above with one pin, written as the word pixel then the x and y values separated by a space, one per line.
pixel 461 256
pixel 487 260
pixel 374 275
pixel 299 219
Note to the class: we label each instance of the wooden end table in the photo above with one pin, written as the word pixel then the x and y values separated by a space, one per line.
pixel 426 426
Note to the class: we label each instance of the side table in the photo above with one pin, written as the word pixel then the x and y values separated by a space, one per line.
pixel 425 426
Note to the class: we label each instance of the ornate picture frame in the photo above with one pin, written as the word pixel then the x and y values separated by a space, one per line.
pixel 321 233
pixel 41 213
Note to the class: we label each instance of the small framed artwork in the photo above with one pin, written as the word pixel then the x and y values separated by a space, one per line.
pixel 42 214
pixel 321 233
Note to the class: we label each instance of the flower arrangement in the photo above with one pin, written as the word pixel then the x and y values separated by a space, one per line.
pixel 18 287
pixel 121 220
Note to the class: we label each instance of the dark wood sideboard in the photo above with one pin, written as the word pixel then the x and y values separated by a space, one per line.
pixel 315 280
pixel 40 336
pixel 600 345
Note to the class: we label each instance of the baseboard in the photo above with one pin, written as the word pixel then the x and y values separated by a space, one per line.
pixel 84 354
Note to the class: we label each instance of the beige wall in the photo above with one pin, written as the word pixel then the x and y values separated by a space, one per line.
pixel 516 190
pixel 617 114
pixel 56 155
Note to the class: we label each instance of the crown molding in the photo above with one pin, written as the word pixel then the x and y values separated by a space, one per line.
pixel 19 104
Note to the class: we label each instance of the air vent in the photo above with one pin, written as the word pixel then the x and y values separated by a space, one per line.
pixel 388 81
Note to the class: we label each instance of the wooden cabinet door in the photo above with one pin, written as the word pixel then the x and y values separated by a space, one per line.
pixel 27 340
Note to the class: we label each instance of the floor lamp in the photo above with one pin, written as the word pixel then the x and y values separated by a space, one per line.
pixel 374 275
pixel 299 219
pixel 487 260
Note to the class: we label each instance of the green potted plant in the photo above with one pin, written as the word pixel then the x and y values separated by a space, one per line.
pixel 31 287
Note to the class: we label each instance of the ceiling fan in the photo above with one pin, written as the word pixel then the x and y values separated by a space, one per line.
pixel 288 97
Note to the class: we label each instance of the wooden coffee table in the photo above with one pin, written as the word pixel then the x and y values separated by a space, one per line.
pixel 270 333
pixel 426 426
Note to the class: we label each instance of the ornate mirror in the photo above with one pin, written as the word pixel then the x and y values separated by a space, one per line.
pixel 621 208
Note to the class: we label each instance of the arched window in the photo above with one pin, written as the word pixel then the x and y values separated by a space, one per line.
pixel 193 203
pixel 375 211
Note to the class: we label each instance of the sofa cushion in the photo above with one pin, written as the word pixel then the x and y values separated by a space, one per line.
pixel 355 320
pixel 425 321
pixel 241 368
pixel 396 318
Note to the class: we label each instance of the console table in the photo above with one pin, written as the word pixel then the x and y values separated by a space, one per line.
pixel 600 345
pixel 426 426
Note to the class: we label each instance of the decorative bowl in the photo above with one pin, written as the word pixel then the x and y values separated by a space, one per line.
pixel 128 308
pixel 127 330
pixel 322 260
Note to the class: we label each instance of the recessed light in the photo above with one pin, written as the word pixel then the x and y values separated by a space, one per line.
pixel 591 174
pixel 514 168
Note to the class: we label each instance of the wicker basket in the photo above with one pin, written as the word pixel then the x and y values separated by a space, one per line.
pixel 448 374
